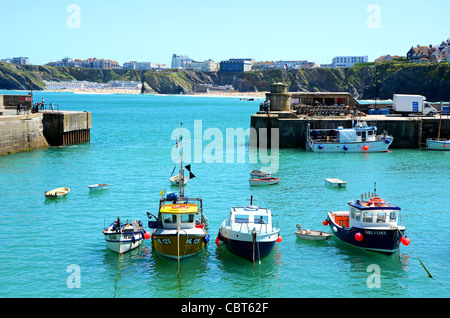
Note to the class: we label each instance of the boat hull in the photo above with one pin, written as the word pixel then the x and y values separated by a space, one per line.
pixel 122 243
pixel 384 240
pixel 264 181
pixel 57 193
pixel 243 245
pixel 438 144
pixel 98 187
pixel 176 180
pixel 188 243
pixel 369 146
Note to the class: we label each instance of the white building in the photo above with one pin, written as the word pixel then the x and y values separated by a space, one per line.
pixel 205 66
pixel 348 61
pixel 178 60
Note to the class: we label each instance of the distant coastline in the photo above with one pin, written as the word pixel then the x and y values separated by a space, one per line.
pixel 364 81
pixel 137 91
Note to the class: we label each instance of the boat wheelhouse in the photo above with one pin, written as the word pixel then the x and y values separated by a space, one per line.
pixel 371 224
pixel 180 229
pixel 360 138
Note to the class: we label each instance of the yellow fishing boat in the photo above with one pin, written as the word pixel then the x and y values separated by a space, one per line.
pixel 180 228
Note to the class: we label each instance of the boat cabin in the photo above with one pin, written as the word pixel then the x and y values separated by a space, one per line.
pixel 360 133
pixel 372 213
pixel 181 216
pixel 250 217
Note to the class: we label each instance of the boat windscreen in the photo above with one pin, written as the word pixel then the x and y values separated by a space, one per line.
pixel 347 135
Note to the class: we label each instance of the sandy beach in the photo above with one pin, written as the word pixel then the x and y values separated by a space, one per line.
pixel 138 91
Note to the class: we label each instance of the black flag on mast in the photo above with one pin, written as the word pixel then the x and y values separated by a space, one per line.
pixel 188 168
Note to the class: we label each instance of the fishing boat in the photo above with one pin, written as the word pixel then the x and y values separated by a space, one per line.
pixel 311 235
pixel 121 238
pixel 248 232
pixel 180 227
pixel 98 187
pixel 259 174
pixel 370 223
pixel 264 181
pixel 57 193
pixel 177 180
pixel 436 144
pixel 360 138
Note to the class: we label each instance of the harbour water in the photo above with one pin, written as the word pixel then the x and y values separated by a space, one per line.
pixel 55 248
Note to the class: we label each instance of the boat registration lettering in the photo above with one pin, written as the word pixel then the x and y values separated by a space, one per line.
pixel 193 241
pixel 376 232
pixel 164 241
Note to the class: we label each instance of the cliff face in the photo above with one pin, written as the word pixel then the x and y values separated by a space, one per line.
pixel 363 81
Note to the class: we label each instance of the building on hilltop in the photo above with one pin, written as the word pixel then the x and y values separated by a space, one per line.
pixel 134 65
pixel 100 63
pixel 17 60
pixel 178 60
pixel 286 65
pixel 386 58
pixel 236 65
pixel 421 54
pixel 348 61
pixel 205 66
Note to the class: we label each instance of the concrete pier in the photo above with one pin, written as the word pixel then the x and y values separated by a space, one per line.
pixel 67 127
pixel 329 110
pixel 408 132
pixel 32 131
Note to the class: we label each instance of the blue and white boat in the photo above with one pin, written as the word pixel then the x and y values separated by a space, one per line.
pixel 248 232
pixel 121 238
pixel 370 223
pixel 360 138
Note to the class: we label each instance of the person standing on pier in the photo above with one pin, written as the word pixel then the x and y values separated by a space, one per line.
pixel 42 103
pixel 19 105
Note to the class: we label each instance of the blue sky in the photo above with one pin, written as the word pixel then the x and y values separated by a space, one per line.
pixel 151 31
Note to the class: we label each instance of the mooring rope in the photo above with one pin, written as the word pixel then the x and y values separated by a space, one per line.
pixel 117 276
pixel 423 265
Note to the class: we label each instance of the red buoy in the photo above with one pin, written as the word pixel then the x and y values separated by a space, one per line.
pixel 358 237
pixel 405 241
pixel 365 147
pixel 147 235
pixel 279 239
pixel 325 222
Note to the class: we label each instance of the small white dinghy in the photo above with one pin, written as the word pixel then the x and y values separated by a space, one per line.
pixel 57 193
pixel 264 181
pixel 176 180
pixel 259 174
pixel 98 187
pixel 311 235
pixel 121 238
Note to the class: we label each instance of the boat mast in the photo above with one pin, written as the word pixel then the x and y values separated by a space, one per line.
pixel 181 173
pixel 439 130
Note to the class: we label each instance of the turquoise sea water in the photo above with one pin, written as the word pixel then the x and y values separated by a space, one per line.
pixel 43 240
